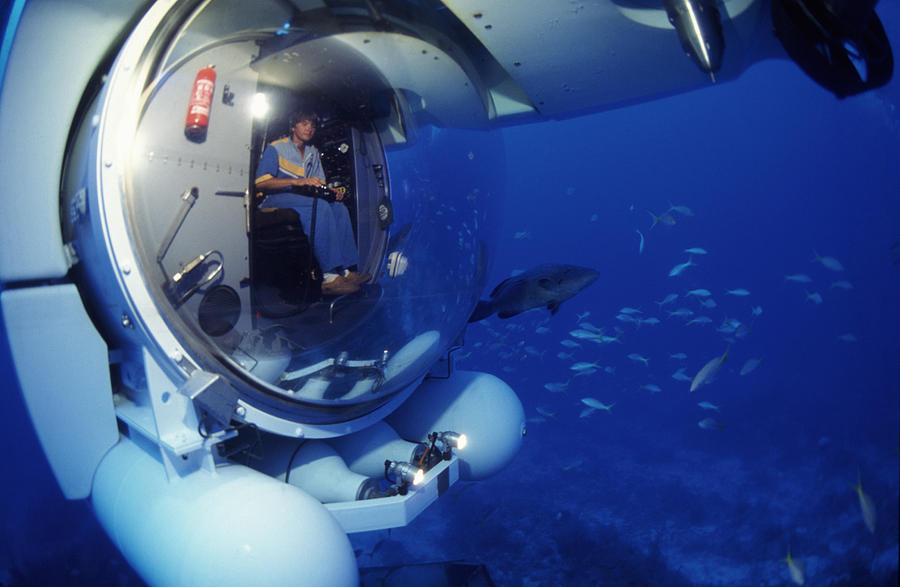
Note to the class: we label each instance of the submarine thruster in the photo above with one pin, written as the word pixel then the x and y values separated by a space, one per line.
pixel 841 44
pixel 229 419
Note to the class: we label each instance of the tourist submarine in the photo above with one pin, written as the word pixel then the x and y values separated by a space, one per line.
pixel 228 424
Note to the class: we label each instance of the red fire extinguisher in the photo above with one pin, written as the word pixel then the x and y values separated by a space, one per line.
pixel 198 108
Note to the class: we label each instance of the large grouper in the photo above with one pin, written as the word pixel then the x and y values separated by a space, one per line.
pixel 545 285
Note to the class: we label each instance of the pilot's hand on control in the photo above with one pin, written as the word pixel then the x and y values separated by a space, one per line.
pixel 338 194
pixel 313 181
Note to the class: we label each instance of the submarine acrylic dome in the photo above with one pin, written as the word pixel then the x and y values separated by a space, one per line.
pixel 179 257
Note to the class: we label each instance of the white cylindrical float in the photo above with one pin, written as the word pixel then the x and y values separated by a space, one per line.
pixel 235 526
pixel 315 467
pixel 479 405
pixel 365 451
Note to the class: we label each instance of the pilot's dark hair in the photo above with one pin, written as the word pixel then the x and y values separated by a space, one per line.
pixel 302 114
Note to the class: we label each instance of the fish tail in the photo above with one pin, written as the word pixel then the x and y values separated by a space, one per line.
pixel 655 218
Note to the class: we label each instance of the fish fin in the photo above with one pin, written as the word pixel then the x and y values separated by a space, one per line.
pixel 553 307
pixel 484 309
pixel 500 286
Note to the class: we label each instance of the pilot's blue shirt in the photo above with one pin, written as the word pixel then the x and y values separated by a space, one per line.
pixel 333 241
pixel 282 159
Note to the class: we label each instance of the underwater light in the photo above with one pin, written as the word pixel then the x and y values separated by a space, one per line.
pixel 405 473
pixel 454 439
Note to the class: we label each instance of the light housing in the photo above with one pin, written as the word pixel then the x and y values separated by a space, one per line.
pixel 403 473
pixel 454 440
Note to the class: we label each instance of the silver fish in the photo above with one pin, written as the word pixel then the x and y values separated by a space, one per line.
pixel 597 404
pixel 706 374
pixel 677 269
pixel 750 365
pixel 668 299
pixel 799 278
pixel 680 376
pixel 666 219
pixel 683 210
pixel 828 262
pixel 583 365
pixel 709 424
pixel 584 334
pixel 636 357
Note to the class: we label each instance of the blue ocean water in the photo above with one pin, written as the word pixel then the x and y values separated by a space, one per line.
pixel 773 169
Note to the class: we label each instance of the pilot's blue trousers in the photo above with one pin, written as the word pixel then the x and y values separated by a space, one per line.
pixel 334 245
